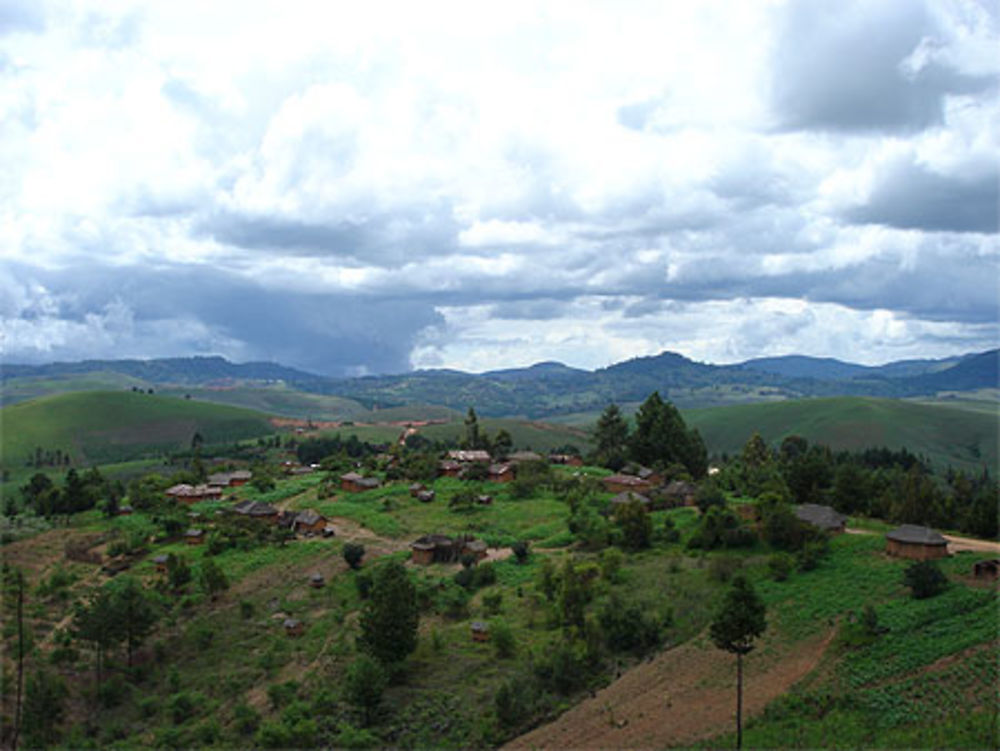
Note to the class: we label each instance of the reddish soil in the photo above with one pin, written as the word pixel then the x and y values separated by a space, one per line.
pixel 678 697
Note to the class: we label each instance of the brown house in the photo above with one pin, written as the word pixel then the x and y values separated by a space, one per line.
pixel 624 483
pixel 309 522
pixel 468 457
pixel 316 581
pixel 480 631
pixel 239 477
pixel 352 482
pixel 257 510
pixel 443 549
pixel 916 542
pixel 416 489
pixel 822 517
pixel 570 460
pixel 501 473
pixel 681 493
pixel 293 627
pixel 426 496
pixel 629 497
pixel 160 563
pixel 449 468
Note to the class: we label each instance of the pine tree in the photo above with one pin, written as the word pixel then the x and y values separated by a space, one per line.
pixel 390 619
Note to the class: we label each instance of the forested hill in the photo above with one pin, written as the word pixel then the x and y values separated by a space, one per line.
pixel 549 389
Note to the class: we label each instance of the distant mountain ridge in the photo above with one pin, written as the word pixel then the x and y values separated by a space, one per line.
pixel 552 388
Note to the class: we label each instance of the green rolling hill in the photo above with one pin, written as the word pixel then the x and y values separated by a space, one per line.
pixel 948 435
pixel 97 427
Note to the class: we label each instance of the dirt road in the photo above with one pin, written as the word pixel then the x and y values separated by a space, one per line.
pixel 682 695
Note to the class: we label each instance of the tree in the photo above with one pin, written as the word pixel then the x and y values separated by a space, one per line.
pixel 390 618
pixel 178 571
pixel 635 524
pixel 662 438
pixel 610 437
pixel 212 577
pixel 740 620
pixel 44 705
pixel 474 439
pixel 134 614
pixel 502 444
pixel 96 623
pixel 365 682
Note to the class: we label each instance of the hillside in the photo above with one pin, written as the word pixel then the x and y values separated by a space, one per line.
pixel 543 390
pixel 95 427
pixel 963 438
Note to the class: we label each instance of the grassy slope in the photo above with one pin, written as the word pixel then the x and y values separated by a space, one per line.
pixel 104 426
pixel 964 438
pixel 278 400
pixel 242 656
pixel 16 390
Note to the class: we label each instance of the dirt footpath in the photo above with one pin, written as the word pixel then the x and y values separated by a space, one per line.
pixel 960 544
pixel 681 696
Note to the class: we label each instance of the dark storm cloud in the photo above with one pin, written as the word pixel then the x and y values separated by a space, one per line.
pixel 212 311
pixel 910 196
pixel 843 66
pixel 380 239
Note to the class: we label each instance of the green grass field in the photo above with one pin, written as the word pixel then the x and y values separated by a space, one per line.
pixel 964 438
pixel 99 427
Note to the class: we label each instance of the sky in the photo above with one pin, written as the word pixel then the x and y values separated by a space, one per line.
pixel 361 188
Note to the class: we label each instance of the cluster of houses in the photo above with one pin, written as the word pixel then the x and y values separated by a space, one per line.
pixel 211 489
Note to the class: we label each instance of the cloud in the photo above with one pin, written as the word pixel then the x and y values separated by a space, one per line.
pixel 909 195
pixel 858 66
pixel 21 15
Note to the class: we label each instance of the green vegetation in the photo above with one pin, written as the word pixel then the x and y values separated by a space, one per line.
pixel 101 427
pixel 198 654
pixel 947 435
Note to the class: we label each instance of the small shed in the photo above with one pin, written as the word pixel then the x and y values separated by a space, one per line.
pixel 449 468
pixel 426 496
pixel 475 547
pixel 316 581
pixel 571 460
pixel 986 570
pixel 916 542
pixel 329 531
pixel 309 522
pixel 484 500
pixel 629 497
pixel 822 517
pixel 293 627
pixel 501 473
pixel 239 477
pixel 160 563
pixel 681 493
pixel 194 536
pixel 480 631
pixel 623 483
pixel 416 489
pixel 124 511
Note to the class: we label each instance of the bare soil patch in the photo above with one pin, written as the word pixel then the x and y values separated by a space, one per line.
pixel 680 696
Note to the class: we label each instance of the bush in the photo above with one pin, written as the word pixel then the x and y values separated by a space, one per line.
pixel 724 568
pixel 611 564
pixel 245 718
pixel 363 582
pixel 925 579
pixel 563 668
pixel 281 694
pixel 513 702
pixel 493 602
pixel 246 609
pixel 182 706
pixel 503 639
pixel 629 627
pixel 811 554
pixel 521 551
pixel 780 566
pixel 353 553
pixel 112 691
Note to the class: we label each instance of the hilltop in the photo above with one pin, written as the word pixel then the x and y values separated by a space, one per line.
pixel 541 391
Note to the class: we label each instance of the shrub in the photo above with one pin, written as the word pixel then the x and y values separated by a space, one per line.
pixel 112 692
pixel 485 575
pixel 245 718
pixel 611 564
pixel 925 579
pixel 780 565
pixel 811 554
pixel 513 702
pixel 281 694
pixel 503 639
pixel 363 582
pixel 723 568
pixel 521 551
pixel 182 706
pixel 353 553
pixel 493 602
pixel 628 627
pixel 246 609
